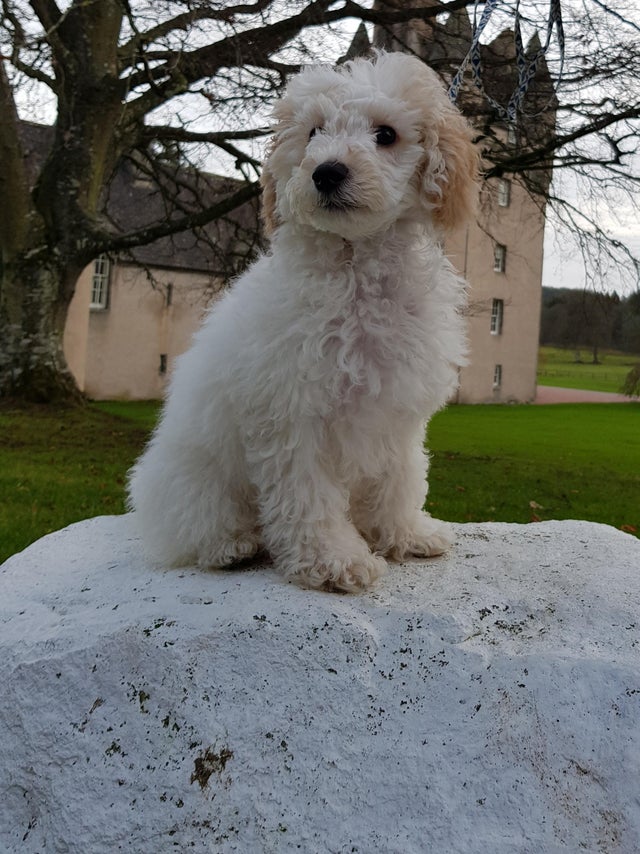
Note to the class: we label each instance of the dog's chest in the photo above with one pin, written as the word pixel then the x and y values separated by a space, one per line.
pixel 369 348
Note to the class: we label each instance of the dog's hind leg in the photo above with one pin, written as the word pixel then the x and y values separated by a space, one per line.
pixel 190 510
pixel 233 538
pixel 223 519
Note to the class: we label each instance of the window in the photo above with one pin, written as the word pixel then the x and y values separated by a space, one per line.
pixel 100 283
pixel 499 258
pixel 169 298
pixel 497 313
pixel 497 376
pixel 163 363
pixel 504 193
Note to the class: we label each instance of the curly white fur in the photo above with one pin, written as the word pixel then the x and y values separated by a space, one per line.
pixel 296 421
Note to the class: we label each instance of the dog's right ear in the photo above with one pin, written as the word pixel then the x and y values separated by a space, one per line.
pixel 283 114
pixel 269 214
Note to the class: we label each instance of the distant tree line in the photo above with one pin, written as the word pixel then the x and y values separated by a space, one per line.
pixel 579 319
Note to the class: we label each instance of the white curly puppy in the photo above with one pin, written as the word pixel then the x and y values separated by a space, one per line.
pixel 296 421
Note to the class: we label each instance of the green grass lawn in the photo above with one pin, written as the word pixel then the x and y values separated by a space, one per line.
pixel 522 463
pixel 574 369
pixel 58 466
pixel 503 463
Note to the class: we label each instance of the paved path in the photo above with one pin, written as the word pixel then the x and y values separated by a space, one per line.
pixel 550 394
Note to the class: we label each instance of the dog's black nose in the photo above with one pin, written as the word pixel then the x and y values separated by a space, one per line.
pixel 328 176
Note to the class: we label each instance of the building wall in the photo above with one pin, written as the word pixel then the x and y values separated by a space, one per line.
pixel 115 352
pixel 520 228
pixel 76 330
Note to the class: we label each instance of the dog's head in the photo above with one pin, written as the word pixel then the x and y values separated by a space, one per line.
pixel 364 145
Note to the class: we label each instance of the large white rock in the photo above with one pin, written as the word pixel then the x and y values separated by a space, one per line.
pixel 488 701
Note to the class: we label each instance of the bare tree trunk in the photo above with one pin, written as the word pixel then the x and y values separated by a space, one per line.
pixel 32 317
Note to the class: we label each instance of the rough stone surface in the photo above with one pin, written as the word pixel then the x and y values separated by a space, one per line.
pixel 487 701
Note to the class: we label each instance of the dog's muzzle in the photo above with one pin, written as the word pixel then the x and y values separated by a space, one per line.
pixel 329 177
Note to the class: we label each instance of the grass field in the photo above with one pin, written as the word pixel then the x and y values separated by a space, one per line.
pixel 527 463
pixel 574 369
pixel 503 463
pixel 59 466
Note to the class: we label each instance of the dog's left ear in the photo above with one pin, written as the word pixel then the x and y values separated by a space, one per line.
pixel 449 179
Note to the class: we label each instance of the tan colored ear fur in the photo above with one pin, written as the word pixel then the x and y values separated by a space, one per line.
pixel 459 190
pixel 451 160
pixel 269 215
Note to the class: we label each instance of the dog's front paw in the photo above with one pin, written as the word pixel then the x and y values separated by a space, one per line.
pixel 426 538
pixel 338 574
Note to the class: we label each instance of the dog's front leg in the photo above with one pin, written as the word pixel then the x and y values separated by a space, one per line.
pixel 388 509
pixel 305 520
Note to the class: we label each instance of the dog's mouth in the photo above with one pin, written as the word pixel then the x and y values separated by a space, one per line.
pixel 334 205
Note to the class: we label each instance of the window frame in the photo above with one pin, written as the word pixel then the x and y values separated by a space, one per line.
pixel 100 283
pixel 504 192
pixel 499 258
pixel 497 377
pixel 497 316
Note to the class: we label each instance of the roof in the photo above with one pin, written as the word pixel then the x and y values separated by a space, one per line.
pixel 137 197
pixel 221 247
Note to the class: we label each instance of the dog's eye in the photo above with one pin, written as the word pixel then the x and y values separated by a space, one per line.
pixel 313 132
pixel 385 135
